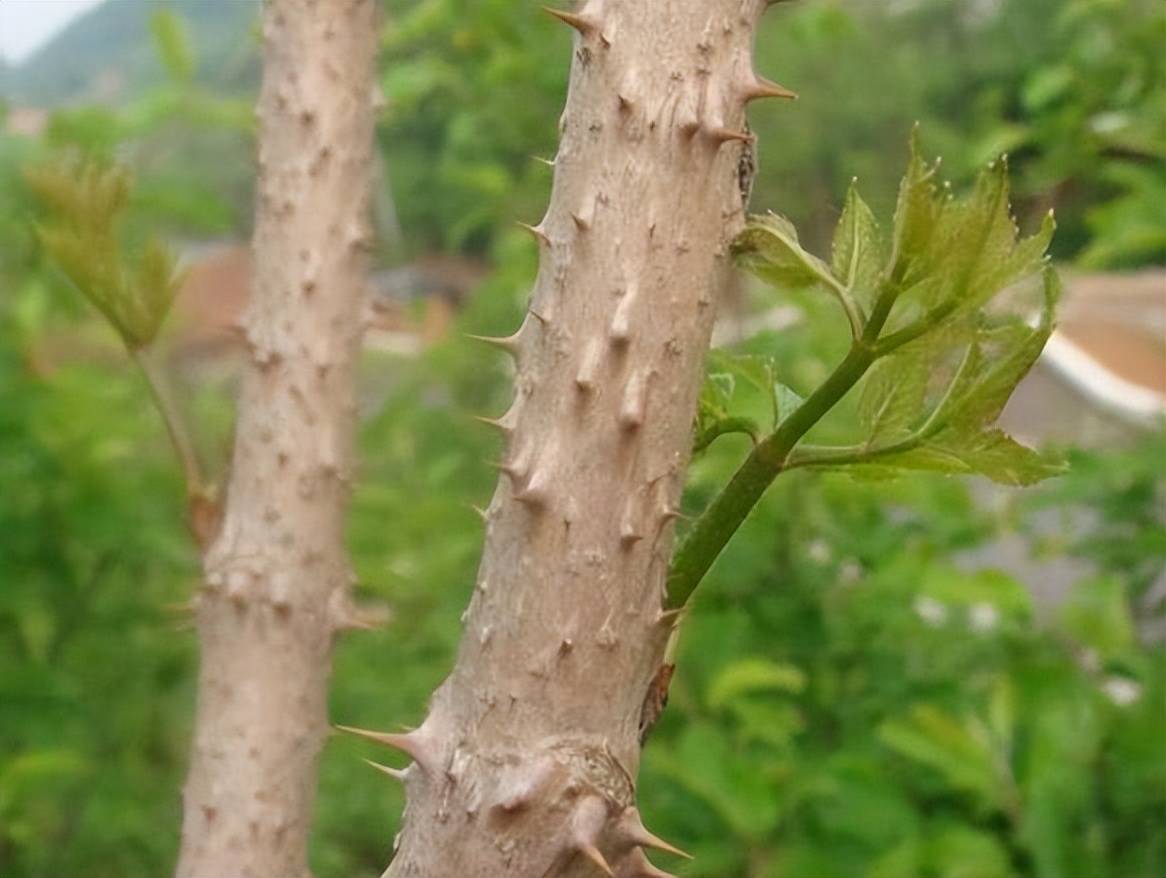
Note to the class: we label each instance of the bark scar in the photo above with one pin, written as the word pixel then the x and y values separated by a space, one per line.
pixel 655 700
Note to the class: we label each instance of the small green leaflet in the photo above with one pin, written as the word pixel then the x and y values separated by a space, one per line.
pixel 712 418
pixel 714 415
pixel 993 454
pixel 760 373
pixel 770 248
pixel 857 255
pixel 958 435
pixel 989 388
pixel 788 400
pixel 959 253
pixel 893 395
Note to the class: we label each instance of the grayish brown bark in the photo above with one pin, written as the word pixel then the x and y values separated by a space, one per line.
pixel 277 579
pixel 525 764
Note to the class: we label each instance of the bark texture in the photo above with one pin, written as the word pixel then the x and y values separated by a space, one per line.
pixel 526 762
pixel 277 577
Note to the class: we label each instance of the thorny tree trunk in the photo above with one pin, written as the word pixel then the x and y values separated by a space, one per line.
pixel 277 579
pixel 525 764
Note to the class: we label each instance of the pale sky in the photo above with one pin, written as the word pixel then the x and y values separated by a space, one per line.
pixel 25 25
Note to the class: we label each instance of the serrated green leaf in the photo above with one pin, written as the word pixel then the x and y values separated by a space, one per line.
pixel 916 214
pixel 856 254
pixel 976 235
pixel 981 399
pixel 993 454
pixel 962 252
pixel 769 247
pixel 893 394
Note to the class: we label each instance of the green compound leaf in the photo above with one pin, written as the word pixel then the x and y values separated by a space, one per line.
pixel 939 366
pixel 85 202
pixel 957 254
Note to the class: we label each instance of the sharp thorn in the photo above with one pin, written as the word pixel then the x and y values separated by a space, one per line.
pixel 406 743
pixel 650 840
pixel 593 853
pixel 538 233
pixel 724 135
pixel 642 867
pixel 581 23
pixel 496 423
pixel 516 469
pixel 508 343
pixel 764 88
pixel 394 773
pixel 632 828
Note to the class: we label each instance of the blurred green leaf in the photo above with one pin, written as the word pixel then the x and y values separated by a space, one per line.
pixel 754 675
pixel 172 44
pixel 1097 615
pixel 964 852
pixel 958 749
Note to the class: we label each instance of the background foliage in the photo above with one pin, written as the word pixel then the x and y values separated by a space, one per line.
pixel 859 694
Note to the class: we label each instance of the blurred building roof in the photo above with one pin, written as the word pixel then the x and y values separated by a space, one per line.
pixel 1102 376
pixel 1103 373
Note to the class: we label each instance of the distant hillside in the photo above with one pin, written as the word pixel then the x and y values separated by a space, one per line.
pixel 108 53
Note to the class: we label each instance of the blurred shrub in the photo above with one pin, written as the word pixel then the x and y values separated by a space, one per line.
pixel 1075 90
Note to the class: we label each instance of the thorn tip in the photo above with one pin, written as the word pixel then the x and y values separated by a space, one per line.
pixel 582 23
pixel 394 773
pixel 593 853
pixel 724 135
pixel 536 231
pixel 761 87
